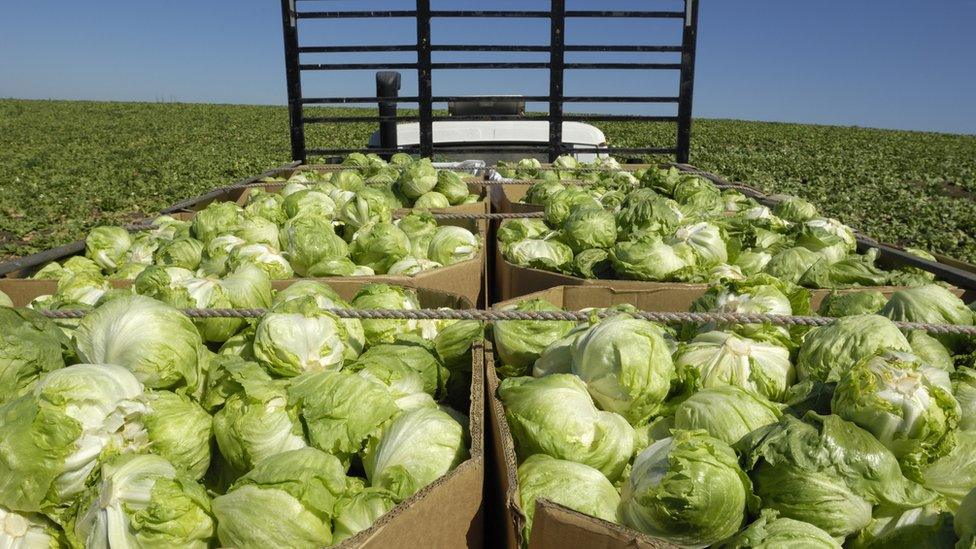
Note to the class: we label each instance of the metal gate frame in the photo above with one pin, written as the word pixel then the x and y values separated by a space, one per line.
pixel 556 65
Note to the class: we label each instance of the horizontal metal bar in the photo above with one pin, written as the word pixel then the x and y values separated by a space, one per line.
pixel 619 99
pixel 474 117
pixel 629 150
pixel 619 117
pixel 489 65
pixel 355 66
pixel 324 152
pixel 354 14
pixel 546 98
pixel 190 202
pixel 364 99
pixel 489 48
pixel 353 49
pixel 355 119
pixel 526 14
pixel 537 147
pixel 41 258
pixel 526 98
pixel 484 65
pixel 629 14
pixel 624 66
pixel 621 48
pixel 486 47
pixel 568 147
pixel 958 277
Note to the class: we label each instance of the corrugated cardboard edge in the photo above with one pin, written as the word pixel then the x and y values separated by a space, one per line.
pixel 449 512
pixel 514 281
pixel 507 199
pixel 558 527
pixel 504 459
pixel 554 526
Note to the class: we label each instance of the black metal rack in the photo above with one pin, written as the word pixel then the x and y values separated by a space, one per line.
pixel 557 66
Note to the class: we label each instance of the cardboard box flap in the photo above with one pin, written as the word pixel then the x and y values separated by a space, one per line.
pixel 558 527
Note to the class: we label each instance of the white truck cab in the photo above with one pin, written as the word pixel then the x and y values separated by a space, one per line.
pixel 470 132
pixel 479 134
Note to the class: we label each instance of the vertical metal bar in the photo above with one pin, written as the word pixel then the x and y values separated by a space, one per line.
pixel 557 44
pixel 293 75
pixel 423 79
pixel 689 39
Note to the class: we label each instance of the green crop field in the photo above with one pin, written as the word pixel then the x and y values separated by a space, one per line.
pixel 68 166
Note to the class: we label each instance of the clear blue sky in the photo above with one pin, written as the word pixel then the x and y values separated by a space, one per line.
pixel 905 64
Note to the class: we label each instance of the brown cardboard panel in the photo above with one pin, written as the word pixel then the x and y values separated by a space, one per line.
pixel 513 281
pixel 507 199
pixel 449 512
pixel 558 527
pixel 657 296
pixel 553 526
pixel 504 461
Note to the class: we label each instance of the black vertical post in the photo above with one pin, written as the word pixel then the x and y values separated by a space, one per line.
pixel 557 43
pixel 293 75
pixel 689 39
pixel 423 79
pixel 387 86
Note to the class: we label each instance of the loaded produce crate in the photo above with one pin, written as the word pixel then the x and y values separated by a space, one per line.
pixel 603 224
pixel 284 424
pixel 310 238
pixel 635 424
pixel 371 170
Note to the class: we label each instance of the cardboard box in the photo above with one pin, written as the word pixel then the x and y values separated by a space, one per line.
pixel 508 198
pixel 465 278
pixel 448 512
pixel 237 192
pixel 512 281
pixel 242 195
pixel 554 526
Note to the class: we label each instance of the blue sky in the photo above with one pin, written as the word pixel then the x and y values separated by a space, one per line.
pixel 894 64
